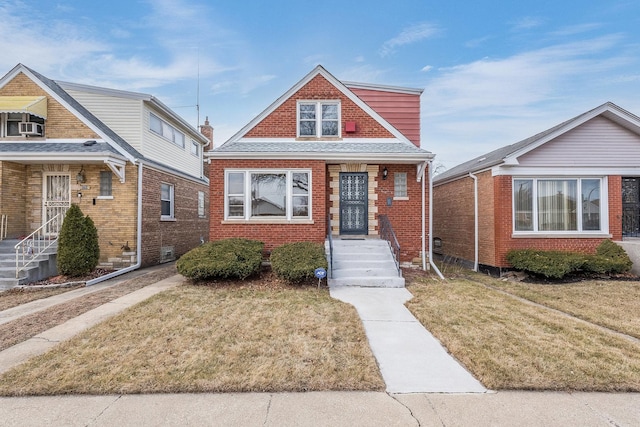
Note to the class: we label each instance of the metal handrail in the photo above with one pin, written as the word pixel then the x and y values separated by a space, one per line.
pixel 29 248
pixel 387 233
pixel 330 239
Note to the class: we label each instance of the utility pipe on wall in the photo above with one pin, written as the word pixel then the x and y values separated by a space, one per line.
pixel 435 267
pixel 475 220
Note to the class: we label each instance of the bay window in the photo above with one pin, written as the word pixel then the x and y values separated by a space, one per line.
pixel 557 205
pixel 265 194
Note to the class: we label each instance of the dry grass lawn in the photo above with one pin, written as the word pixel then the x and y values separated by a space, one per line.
pixel 613 304
pixel 211 339
pixel 16 297
pixel 509 344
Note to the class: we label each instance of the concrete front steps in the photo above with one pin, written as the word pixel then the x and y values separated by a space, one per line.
pixel 366 262
pixel 42 267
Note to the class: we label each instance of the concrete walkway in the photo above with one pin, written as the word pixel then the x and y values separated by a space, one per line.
pixel 411 360
pixel 523 409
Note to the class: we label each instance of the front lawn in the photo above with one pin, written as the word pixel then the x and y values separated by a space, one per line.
pixel 509 344
pixel 219 338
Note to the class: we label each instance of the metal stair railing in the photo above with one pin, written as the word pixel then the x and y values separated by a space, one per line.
pixel 387 233
pixel 29 248
pixel 330 238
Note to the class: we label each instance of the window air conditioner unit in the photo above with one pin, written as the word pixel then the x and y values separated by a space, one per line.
pixel 30 128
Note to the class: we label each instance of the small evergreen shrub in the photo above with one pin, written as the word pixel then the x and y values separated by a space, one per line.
pixel 296 262
pixel 222 259
pixel 608 259
pixel 78 247
pixel 551 264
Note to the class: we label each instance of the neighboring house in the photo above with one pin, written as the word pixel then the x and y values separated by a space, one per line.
pixel 567 188
pixel 325 151
pixel 131 164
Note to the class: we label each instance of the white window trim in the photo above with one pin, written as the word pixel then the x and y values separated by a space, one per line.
pixel 288 218
pixel 171 216
pixel 197 147
pixel 604 209
pixel 406 186
pixel 318 104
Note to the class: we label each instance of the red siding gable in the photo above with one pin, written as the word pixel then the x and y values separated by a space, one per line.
pixel 402 110
pixel 281 123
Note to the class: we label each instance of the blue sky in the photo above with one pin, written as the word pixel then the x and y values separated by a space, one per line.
pixel 493 73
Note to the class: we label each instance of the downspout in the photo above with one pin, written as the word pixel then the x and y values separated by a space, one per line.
pixel 139 238
pixel 435 267
pixel 475 220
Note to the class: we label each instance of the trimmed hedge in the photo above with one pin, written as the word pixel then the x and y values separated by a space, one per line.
pixel 296 262
pixel 222 259
pixel 609 259
pixel 78 247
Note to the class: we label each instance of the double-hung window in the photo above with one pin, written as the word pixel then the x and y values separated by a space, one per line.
pixel 166 201
pixel 267 194
pixel 318 119
pixel 557 205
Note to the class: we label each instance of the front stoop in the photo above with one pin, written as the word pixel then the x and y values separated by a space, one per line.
pixel 42 267
pixel 364 263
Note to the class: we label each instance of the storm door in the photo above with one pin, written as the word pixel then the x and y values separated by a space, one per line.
pixel 631 207
pixel 354 199
pixel 56 200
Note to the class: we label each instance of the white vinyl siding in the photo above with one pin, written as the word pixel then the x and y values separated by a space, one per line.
pixel 596 143
pixel 123 115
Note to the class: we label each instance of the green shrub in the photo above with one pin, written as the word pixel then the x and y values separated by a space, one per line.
pixel 608 259
pixel 296 262
pixel 551 264
pixel 222 259
pixel 78 247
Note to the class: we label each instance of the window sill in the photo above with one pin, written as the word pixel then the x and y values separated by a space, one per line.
pixel 574 235
pixel 104 197
pixel 268 221
pixel 401 198
pixel 167 219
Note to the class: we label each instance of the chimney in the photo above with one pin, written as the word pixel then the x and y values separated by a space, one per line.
pixel 207 130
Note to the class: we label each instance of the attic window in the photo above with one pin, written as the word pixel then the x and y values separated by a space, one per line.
pixel 318 119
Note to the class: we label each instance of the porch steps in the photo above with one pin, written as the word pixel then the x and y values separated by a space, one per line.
pixel 43 266
pixel 363 262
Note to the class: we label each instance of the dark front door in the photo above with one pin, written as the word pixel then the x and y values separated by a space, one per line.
pixel 631 207
pixel 354 199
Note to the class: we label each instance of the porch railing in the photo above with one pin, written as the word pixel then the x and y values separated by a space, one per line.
pixel 29 248
pixel 330 239
pixel 387 233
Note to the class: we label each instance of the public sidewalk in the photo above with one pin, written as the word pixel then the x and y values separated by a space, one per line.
pixel 351 409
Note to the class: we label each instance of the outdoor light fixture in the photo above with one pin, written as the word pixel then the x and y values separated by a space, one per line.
pixel 385 173
pixel 80 177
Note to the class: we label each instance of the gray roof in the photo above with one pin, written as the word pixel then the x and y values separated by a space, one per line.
pixel 320 147
pixel 498 156
pixel 58 147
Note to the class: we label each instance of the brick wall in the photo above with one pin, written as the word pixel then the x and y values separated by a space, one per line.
pixel 12 198
pixel 271 234
pixel 405 214
pixel 282 122
pixel 188 228
pixel 60 122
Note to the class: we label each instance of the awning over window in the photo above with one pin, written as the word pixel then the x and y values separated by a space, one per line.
pixel 36 105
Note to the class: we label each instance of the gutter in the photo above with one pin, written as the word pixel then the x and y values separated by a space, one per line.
pixel 139 238
pixel 431 263
pixel 475 220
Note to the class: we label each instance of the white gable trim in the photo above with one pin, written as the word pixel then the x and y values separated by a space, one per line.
pixel 608 110
pixel 319 70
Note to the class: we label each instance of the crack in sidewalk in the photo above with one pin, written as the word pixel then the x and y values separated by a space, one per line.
pixel 406 407
pixel 95 419
pixel 266 416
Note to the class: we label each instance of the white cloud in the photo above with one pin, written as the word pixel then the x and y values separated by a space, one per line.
pixel 427 68
pixel 527 23
pixel 412 34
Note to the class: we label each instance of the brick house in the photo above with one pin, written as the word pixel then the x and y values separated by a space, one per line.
pixel 567 188
pixel 325 155
pixel 130 163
